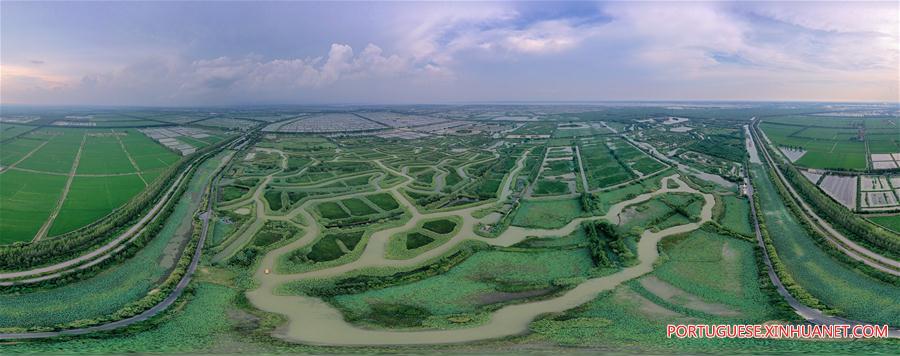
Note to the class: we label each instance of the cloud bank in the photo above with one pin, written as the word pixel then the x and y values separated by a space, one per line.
pixel 435 52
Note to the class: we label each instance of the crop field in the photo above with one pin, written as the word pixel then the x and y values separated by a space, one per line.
pixel 10 130
pixel 15 150
pixel 104 155
pixel 833 142
pixel 613 161
pixel 57 155
pixel 26 200
pixel 114 287
pixel 558 173
pixel 93 197
pixel 37 168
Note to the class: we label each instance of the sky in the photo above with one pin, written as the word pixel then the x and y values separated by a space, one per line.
pixel 238 53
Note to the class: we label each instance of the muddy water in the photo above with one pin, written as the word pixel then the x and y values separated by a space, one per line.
pixel 311 320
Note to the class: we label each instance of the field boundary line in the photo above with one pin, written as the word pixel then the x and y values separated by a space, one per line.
pixel 833 237
pixel 14 164
pixel 128 154
pixel 65 193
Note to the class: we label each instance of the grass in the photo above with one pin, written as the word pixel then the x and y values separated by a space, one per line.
pixel 273 232
pixel 452 178
pixel 620 322
pixel 737 215
pixel 26 200
pixel 273 197
pixel 443 226
pixel 193 329
pixel 415 240
pixel 551 187
pixel 331 210
pixel 383 200
pixel 91 198
pixel 358 207
pixel 480 280
pixel 547 214
pixel 890 222
pixel 327 248
pixel 230 192
pixel 857 295
pixel 718 269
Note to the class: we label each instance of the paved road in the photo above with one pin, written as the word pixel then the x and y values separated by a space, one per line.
pixel 811 315
pixel 837 239
pixel 149 313
pixel 134 229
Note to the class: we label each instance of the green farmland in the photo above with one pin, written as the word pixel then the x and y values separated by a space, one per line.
pixel 40 165
pixel 832 142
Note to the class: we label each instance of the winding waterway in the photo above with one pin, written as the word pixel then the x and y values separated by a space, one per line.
pixel 312 320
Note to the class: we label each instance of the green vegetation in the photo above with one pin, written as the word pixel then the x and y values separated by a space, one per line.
pixel 105 180
pixel 608 246
pixel 328 248
pixel 547 214
pixel 383 200
pixel 443 226
pixel 452 267
pixel 815 270
pixel 26 200
pixel 90 198
pixel 890 222
pixel 332 210
pixel 484 279
pixel 730 147
pixel 117 287
pixel 737 215
pixel 415 240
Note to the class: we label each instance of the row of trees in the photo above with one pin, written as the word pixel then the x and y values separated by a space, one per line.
pixel 141 240
pixel 797 291
pixel 821 241
pixel 859 229
pixel 136 307
pixel 22 256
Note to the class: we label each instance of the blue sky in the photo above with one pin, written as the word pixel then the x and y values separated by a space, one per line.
pixel 199 53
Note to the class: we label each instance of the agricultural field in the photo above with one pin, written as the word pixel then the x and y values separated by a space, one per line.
pixel 114 288
pixel 834 142
pixel 67 178
pixel 478 228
